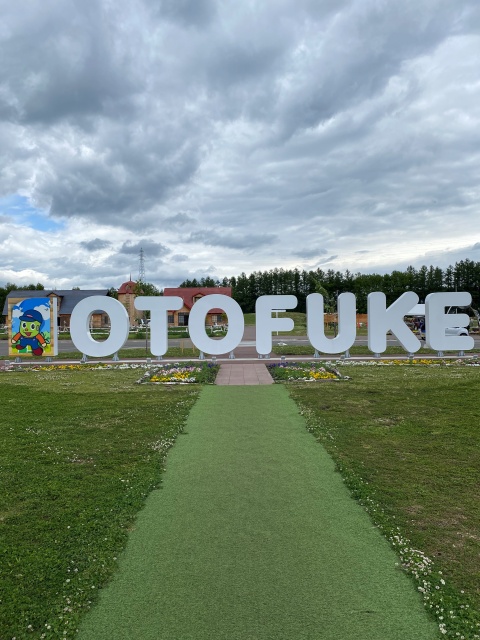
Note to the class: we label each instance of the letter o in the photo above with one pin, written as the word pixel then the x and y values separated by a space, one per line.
pixel 196 324
pixel 80 326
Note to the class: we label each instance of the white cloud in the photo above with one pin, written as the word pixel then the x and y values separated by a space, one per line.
pixel 254 135
pixel 44 310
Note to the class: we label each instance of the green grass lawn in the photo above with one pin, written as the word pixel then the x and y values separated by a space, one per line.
pixel 132 353
pixel 300 320
pixel 356 350
pixel 407 441
pixel 82 449
pixel 80 452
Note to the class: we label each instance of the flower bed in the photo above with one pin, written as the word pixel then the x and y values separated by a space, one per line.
pixel 71 367
pixel 185 373
pixel 304 372
pixel 410 362
pixel 327 370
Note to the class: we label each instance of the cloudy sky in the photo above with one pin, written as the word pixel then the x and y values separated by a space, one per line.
pixel 226 136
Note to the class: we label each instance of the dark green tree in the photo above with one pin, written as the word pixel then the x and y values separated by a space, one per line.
pixel 10 286
pixel 147 289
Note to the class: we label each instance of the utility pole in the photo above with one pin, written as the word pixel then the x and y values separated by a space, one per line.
pixel 141 278
pixel 141 269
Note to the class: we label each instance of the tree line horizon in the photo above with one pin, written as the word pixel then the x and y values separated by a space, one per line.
pixel 463 276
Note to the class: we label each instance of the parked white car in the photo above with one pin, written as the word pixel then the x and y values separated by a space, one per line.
pixel 456 331
pixel 449 331
pixel 419 311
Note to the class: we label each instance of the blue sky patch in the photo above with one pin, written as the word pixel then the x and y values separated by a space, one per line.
pixel 21 210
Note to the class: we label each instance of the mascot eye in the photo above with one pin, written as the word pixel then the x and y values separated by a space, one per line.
pixel 32 327
pixel 24 325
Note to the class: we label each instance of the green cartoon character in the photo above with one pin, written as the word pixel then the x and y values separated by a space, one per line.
pixel 29 334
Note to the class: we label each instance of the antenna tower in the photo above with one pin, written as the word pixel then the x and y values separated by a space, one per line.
pixel 141 269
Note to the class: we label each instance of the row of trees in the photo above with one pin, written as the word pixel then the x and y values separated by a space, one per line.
pixel 463 276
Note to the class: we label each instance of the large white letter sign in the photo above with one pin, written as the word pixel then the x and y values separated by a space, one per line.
pixel 381 320
pixel 346 323
pixel 265 324
pixel 80 326
pixel 436 321
pixel 196 324
pixel 159 307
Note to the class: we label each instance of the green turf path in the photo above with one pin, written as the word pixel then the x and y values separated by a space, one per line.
pixel 253 536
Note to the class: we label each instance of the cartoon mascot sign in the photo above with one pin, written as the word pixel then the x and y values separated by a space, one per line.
pixel 33 327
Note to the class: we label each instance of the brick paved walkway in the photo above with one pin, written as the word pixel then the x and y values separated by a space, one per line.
pixel 243 374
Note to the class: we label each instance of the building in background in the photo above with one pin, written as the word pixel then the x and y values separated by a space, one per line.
pixel 68 298
pixel 66 301
pixel 126 295
pixel 190 295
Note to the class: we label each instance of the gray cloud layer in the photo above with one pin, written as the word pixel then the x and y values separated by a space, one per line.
pixel 278 133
